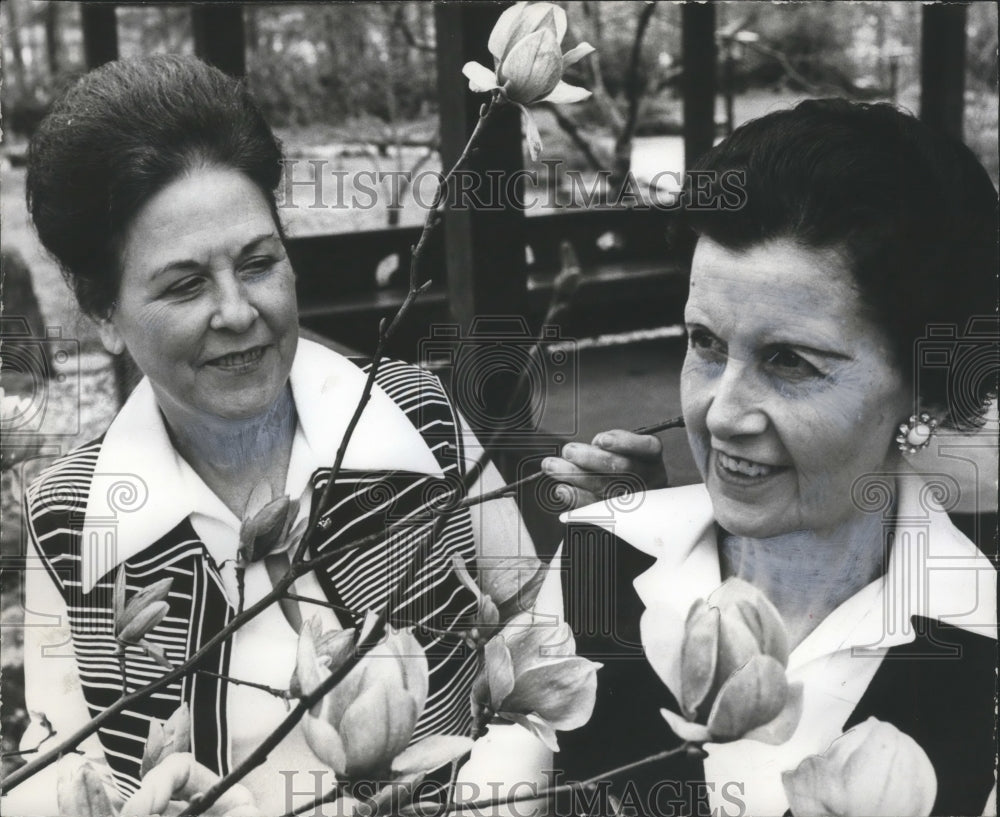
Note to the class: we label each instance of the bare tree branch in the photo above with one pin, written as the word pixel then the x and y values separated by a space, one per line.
pixel 573 132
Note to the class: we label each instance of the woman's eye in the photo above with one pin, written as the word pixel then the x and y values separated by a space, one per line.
pixel 257 265
pixel 790 363
pixel 706 343
pixel 185 286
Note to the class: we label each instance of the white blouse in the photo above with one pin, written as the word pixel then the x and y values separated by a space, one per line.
pixel 934 571
pixel 325 388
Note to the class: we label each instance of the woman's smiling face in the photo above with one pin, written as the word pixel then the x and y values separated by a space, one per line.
pixel 206 302
pixel 789 389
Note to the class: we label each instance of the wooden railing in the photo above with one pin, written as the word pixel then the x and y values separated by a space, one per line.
pixel 630 279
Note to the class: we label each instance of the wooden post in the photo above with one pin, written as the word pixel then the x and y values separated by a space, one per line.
pixel 484 246
pixel 219 36
pixel 942 66
pixel 698 81
pixel 100 33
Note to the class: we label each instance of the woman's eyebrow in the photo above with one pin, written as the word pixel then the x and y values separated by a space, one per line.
pixel 190 264
pixel 805 347
pixel 254 243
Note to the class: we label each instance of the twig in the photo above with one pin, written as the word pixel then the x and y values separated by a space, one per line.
pixel 121 668
pixel 277 693
pixel 512 488
pixel 42 761
pixel 36 747
pixel 201 803
pixel 330 797
pixel 549 791
pixel 385 333
pixel 572 130
pixel 337 608
pixel 632 89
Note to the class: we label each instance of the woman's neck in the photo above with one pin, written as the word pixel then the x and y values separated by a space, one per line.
pixel 234 455
pixel 807 574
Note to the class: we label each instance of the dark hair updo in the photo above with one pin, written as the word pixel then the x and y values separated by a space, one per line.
pixel 912 211
pixel 120 135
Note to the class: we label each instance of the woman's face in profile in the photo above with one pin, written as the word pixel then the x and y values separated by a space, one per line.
pixel 206 303
pixel 788 389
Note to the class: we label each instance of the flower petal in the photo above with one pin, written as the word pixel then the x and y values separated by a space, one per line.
pixel 784 725
pixel 430 753
pixel 754 695
pixel 887 774
pixel 574 55
pixel 737 645
pixel 532 68
pixel 757 612
pixel 412 662
pixel 481 79
pixel 506 26
pixel 810 789
pixel 563 693
pixel 534 640
pixel 499 670
pixel 376 727
pixel 699 655
pixel 324 742
pixel 536 725
pixel 531 134
pixel 684 729
pixel 564 94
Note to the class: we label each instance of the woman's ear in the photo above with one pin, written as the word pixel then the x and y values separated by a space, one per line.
pixel 110 336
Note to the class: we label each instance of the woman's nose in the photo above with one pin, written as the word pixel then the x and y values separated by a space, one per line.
pixel 735 409
pixel 233 310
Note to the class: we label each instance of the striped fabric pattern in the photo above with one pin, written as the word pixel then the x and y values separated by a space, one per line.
pixel 432 600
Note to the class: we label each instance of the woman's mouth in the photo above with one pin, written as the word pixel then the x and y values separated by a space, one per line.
pixel 239 362
pixel 743 472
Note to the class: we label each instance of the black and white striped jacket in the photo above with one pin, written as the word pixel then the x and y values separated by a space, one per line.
pixel 81 552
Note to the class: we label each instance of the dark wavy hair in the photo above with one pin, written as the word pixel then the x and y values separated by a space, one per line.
pixel 117 137
pixel 911 209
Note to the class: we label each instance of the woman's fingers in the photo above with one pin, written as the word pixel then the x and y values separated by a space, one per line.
pixel 181 777
pixel 571 498
pixel 644 447
pixel 588 470
pixel 617 461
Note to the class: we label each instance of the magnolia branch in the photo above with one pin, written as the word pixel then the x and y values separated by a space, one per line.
pixel 280 589
pixel 385 333
pixel 203 802
pixel 488 806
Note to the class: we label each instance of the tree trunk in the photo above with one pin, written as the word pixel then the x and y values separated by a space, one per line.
pixel 52 44
pixel 17 57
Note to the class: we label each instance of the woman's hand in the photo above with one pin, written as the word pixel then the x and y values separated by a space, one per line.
pixel 615 460
pixel 179 777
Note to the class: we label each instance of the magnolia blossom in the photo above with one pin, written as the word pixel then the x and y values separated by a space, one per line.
pixel 269 529
pixel 144 611
pixel 732 684
pixel 532 675
pixel 870 771
pixel 526 44
pixel 167 738
pixel 361 729
pixel 80 790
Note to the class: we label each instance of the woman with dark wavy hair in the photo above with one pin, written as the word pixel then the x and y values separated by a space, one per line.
pixel 152 183
pixel 839 319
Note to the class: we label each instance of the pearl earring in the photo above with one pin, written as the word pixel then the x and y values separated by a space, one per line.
pixel 915 434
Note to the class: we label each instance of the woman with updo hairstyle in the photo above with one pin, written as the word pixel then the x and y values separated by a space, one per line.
pixel 841 325
pixel 152 184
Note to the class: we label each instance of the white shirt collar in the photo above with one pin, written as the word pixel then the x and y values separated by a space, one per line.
pixel 161 489
pixel 934 570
